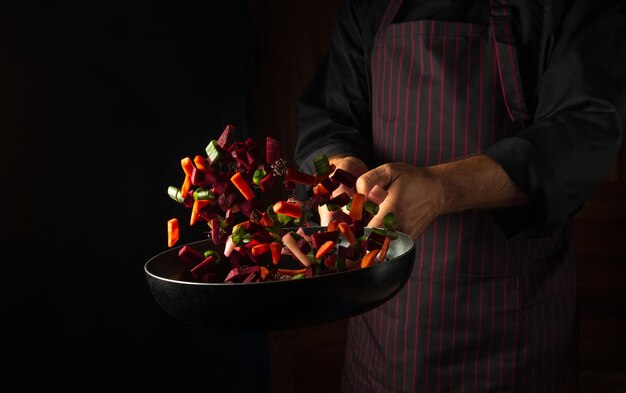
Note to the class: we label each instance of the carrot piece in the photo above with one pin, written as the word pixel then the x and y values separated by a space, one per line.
pixel 333 226
pixel 290 272
pixel 198 204
pixel 384 248
pixel 201 162
pixel 288 209
pixel 266 221
pixel 325 248
pixel 356 210
pixel 264 272
pixel 187 165
pixel 240 182
pixel 186 186
pixel 260 249
pixel 276 249
pixel 320 190
pixel 347 233
pixel 173 232
pixel 370 258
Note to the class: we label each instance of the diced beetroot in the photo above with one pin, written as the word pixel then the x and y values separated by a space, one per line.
pixel 321 237
pixel 228 200
pixel 215 230
pixel 341 216
pixel 241 156
pixel 204 267
pixel 296 176
pixel 340 200
pixel 198 178
pixel 237 258
pixel 252 227
pixel 330 261
pixel 358 228
pixel 190 255
pixel 268 181
pixel 272 150
pixel 238 274
pixel 209 212
pixel 262 236
pixel 222 184
pixel 349 252
pixel 330 184
pixel 188 200
pixel 228 137
pixel 374 241
pixel 344 177
pixel 304 246
pixel 252 277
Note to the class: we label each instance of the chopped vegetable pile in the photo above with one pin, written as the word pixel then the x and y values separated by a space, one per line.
pixel 252 243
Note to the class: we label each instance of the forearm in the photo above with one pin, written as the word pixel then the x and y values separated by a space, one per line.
pixel 477 182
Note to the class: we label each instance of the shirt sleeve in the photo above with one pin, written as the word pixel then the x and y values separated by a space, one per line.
pixel 334 110
pixel 578 124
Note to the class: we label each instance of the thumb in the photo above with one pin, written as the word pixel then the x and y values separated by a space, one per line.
pixel 382 176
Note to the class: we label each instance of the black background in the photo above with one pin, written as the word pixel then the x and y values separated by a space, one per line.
pixel 100 102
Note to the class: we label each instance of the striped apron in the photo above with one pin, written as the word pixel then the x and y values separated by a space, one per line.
pixel 480 313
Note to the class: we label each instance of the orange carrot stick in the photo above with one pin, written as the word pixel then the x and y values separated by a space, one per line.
pixel 240 182
pixel 370 258
pixel 187 165
pixel 276 248
pixel 347 233
pixel 356 209
pixel 325 248
pixel 384 248
pixel 173 232
pixel 260 249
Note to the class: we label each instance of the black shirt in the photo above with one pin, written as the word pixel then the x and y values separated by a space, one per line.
pixel 572 60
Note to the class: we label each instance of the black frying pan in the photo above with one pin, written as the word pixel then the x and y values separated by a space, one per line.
pixel 277 305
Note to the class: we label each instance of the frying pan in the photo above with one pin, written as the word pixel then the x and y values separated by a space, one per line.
pixel 277 305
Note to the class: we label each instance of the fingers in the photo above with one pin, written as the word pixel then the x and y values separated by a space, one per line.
pixel 382 176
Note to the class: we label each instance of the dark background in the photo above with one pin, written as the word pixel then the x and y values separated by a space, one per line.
pixel 99 103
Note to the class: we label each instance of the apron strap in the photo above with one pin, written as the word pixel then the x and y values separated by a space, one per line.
pixel 506 56
pixel 390 13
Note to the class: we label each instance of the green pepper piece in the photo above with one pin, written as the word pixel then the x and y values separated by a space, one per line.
pixel 203 195
pixel 322 165
pixel 213 151
pixel 393 235
pixel 237 235
pixel 390 221
pixel 208 253
pixel 371 207
pixel 284 219
pixel 297 276
pixel 258 175
pixel 174 193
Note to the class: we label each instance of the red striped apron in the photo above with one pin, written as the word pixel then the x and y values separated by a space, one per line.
pixel 480 313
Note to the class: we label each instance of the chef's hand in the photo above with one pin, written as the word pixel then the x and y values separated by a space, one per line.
pixel 416 195
pixel 349 164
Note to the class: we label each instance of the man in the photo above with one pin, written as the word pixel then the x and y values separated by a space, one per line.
pixel 489 123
